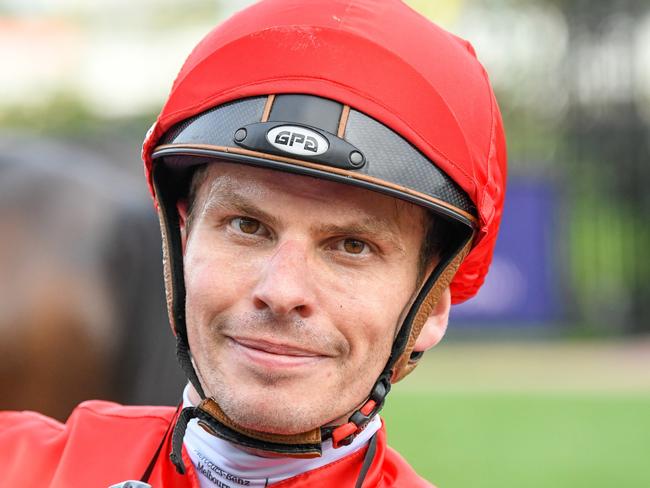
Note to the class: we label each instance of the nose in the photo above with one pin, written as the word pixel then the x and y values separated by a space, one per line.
pixel 285 287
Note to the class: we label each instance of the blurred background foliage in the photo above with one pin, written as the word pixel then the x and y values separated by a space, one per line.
pixel 82 82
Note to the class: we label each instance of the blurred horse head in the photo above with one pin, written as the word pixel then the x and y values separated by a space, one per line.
pixel 80 288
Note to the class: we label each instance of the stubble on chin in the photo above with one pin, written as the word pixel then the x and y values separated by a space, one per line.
pixel 278 409
pixel 263 400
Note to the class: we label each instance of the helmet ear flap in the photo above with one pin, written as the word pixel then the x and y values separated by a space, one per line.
pixel 167 187
pixel 441 278
pixel 166 196
pixel 435 327
pixel 167 274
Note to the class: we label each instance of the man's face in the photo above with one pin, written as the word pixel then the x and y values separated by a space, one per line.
pixel 295 287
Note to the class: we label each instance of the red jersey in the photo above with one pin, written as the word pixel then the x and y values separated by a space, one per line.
pixel 104 443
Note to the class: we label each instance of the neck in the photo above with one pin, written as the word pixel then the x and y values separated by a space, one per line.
pixel 218 461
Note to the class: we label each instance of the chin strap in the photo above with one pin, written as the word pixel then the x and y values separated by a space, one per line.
pixel 308 444
pixel 176 455
pixel 305 445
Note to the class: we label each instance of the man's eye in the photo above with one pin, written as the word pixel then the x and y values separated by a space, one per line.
pixel 354 246
pixel 247 226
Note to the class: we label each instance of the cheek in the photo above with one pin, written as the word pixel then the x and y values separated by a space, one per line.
pixel 214 279
pixel 368 310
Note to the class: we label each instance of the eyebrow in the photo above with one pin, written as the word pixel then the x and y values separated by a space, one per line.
pixel 370 226
pixel 223 196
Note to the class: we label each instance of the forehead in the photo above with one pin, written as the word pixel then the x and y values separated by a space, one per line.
pixel 228 181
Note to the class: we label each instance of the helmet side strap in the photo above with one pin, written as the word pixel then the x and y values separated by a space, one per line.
pixel 399 364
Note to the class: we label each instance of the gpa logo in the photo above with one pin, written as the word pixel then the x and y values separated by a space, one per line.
pixel 297 140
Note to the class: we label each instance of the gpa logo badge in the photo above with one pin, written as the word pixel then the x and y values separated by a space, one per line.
pixel 297 140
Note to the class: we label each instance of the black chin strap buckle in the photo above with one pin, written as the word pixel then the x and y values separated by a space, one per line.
pixel 344 434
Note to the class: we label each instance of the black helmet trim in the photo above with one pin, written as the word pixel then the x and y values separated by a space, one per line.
pixel 386 156
pixel 185 156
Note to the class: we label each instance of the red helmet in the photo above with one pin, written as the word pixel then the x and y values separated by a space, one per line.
pixel 366 92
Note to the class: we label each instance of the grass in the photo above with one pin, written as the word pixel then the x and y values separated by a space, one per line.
pixel 550 432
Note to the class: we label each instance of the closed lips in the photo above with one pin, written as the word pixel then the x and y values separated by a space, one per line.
pixel 276 348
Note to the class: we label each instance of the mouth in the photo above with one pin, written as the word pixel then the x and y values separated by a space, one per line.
pixel 275 355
